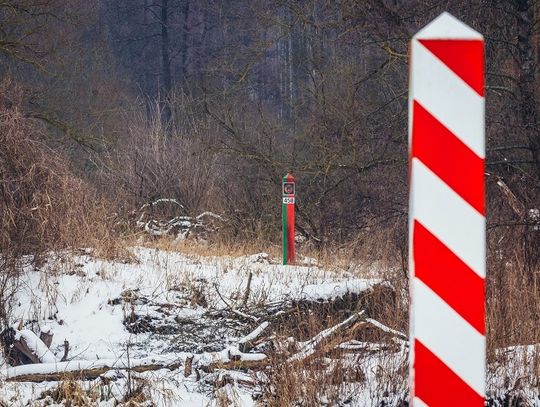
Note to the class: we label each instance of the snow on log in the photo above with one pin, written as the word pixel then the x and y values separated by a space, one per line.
pixel 154 220
pixel 310 347
pixel 85 369
pixel 338 289
pixel 209 215
pixel 35 345
pixel 230 358
pixel 245 343
pixel 384 328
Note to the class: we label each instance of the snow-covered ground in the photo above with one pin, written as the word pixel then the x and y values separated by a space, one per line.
pixel 86 300
pixel 165 307
pixel 166 299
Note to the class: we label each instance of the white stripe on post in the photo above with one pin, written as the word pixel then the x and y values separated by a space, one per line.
pixel 419 403
pixel 437 89
pixel 447 215
pixel 440 327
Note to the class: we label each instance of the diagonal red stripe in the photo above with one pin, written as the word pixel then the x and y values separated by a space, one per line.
pixel 449 277
pixel 464 57
pixel 448 157
pixel 436 385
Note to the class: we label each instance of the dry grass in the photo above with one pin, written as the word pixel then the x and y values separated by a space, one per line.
pixel 70 394
pixel 43 206
pixel 370 253
pixel 305 382
pixel 334 376
pixel 513 287
pixel 214 248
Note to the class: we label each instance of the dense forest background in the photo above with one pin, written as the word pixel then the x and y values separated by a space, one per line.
pixel 117 103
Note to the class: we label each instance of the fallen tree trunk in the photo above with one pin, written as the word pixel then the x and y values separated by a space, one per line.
pixel 246 343
pixel 84 369
pixel 237 365
pixel 32 347
pixel 310 348
pixel 396 334
pixel 230 358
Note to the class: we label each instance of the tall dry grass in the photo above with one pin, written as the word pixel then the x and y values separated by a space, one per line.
pixel 43 205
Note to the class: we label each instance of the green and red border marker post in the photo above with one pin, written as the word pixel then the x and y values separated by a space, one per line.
pixel 288 201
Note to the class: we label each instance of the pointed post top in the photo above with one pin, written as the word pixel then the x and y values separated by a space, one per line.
pixel 288 177
pixel 446 26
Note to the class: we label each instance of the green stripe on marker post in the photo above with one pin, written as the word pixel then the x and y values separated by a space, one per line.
pixel 288 200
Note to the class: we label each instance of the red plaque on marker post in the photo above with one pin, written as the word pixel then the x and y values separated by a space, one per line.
pixel 447 215
pixel 288 201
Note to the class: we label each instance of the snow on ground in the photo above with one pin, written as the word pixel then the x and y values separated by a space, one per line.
pixel 81 307
pixel 85 301
pixel 515 373
pixel 159 309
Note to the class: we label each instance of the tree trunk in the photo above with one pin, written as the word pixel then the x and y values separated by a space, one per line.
pixel 166 66
pixel 528 112
pixel 185 37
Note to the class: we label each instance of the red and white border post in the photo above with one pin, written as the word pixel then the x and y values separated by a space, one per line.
pixel 288 198
pixel 447 215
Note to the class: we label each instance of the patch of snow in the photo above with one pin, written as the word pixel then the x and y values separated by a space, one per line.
pixel 337 289
pixel 534 216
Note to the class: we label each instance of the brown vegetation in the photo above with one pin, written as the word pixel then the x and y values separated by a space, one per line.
pixel 115 104
pixel 43 206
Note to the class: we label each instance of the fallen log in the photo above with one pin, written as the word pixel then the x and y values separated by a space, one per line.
pixel 33 347
pixel 311 347
pixel 396 334
pixel 337 300
pixel 230 358
pixel 84 369
pixel 237 365
pixel 246 343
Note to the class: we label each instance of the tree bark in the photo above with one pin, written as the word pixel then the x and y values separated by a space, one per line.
pixel 85 374
pixel 165 65
pixel 185 37
pixel 528 112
